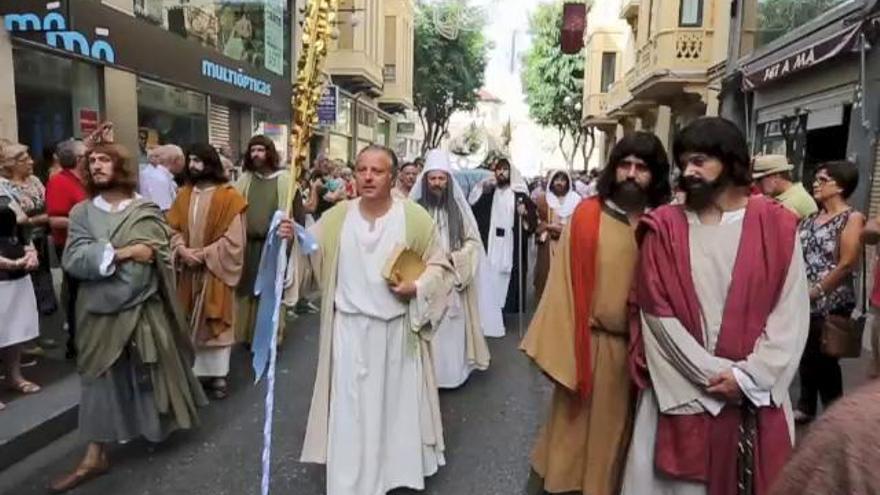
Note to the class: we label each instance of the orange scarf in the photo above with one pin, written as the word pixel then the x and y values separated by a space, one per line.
pixel 584 249
pixel 217 316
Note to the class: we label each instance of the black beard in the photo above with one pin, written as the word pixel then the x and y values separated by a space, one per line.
pixel 502 182
pixel 629 196
pixel 700 193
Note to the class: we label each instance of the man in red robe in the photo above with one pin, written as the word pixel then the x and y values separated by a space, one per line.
pixel 724 314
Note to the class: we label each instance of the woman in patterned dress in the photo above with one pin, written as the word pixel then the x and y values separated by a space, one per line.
pixel 832 247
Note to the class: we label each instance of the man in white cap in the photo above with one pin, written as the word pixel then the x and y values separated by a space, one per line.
pixel 459 345
pixel 772 174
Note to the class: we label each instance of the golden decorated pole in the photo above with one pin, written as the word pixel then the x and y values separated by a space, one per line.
pixel 317 31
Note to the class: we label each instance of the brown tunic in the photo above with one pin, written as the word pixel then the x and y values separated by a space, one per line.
pixel 581 448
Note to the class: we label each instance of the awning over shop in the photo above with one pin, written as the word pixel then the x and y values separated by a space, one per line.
pixel 763 72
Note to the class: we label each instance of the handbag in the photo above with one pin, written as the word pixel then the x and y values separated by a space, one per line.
pixel 842 335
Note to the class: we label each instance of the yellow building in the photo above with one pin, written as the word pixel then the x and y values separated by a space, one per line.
pixel 371 61
pixel 673 55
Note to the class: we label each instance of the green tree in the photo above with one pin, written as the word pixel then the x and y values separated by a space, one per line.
pixel 777 17
pixel 554 82
pixel 449 69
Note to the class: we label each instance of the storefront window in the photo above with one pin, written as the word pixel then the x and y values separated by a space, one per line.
pixel 382 132
pixel 255 31
pixel 56 98
pixel 170 115
pixel 777 17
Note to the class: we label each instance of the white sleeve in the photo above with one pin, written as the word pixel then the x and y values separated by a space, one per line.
pixel 107 267
pixel 773 363
pixel 759 397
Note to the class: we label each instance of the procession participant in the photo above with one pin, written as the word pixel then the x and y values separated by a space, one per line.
pixel 406 178
pixel 724 307
pixel 772 174
pixel 555 207
pixel 375 416
pixel 506 216
pixel 134 354
pixel 207 219
pixel 265 186
pixel 579 334
pixel 459 345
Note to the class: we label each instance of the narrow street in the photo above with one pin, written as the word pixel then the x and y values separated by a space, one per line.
pixel 489 426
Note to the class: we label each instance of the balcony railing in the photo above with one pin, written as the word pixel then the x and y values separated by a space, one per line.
pixel 684 49
pixel 597 104
pixel 618 95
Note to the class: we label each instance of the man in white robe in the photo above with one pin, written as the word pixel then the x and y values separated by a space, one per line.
pixel 724 322
pixel 459 345
pixel 375 416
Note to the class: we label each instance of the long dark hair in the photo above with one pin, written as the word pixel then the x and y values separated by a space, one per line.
pixel 123 176
pixel 718 138
pixel 214 171
pixel 646 147
pixel 445 202
pixel 272 158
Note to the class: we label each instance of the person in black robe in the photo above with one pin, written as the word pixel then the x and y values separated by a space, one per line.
pixel 506 216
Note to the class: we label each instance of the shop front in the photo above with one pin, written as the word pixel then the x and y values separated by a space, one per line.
pixel 805 99
pixel 347 125
pixel 178 86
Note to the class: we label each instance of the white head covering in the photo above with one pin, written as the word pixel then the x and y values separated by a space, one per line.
pixel 438 160
pixel 565 206
pixel 491 320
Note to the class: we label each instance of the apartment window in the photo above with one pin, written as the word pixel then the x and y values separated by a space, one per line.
pixel 609 67
pixel 650 18
pixel 691 13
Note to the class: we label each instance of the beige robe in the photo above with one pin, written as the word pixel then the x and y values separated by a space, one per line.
pixel 581 448
pixel 224 260
pixel 423 314
pixel 465 263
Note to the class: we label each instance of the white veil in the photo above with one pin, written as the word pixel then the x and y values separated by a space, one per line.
pixel 490 315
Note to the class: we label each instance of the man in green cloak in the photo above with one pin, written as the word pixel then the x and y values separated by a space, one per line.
pixel 134 353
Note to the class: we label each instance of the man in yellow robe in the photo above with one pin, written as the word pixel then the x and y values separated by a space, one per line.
pixel 579 335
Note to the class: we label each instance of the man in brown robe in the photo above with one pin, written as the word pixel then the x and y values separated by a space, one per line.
pixel 579 334
pixel 208 248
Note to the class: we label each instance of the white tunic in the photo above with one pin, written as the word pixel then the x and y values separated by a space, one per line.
pixel 375 437
pixel 449 344
pixel 680 368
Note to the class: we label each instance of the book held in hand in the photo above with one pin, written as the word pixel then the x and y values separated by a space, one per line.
pixel 403 265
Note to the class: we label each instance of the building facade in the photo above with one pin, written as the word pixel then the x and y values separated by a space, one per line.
pixel 668 59
pixel 370 66
pixel 807 89
pixel 163 71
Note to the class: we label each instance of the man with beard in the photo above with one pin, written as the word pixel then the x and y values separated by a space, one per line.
pixel 554 209
pixel 134 351
pixel 265 186
pixel 458 345
pixel 722 291
pixel 208 246
pixel 579 334
pixel 506 216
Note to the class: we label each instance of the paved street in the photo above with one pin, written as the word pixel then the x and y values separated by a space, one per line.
pixel 489 427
